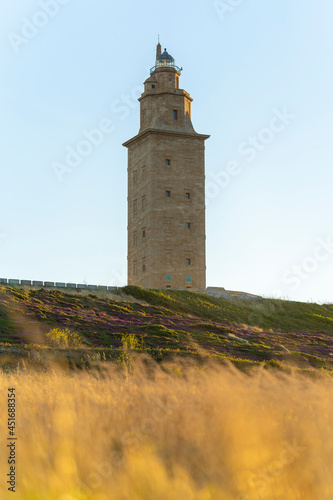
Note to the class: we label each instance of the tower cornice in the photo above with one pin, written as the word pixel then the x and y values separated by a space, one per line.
pixel 154 93
pixel 170 133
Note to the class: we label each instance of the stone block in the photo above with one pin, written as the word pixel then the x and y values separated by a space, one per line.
pixel 218 292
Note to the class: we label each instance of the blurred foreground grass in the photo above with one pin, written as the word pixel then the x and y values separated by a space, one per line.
pixel 169 432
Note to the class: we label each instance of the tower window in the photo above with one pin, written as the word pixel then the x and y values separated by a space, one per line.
pixel 153 86
pixel 188 196
pixel 144 265
pixel 168 194
pixel 188 279
pixel 168 277
pixel 167 224
pixel 188 262
pixel 168 163
pixel 188 225
pixel 170 79
pixel 168 286
pixel 167 257
pixel 144 235
pixel 175 114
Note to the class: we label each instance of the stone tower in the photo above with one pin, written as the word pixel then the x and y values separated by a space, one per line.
pixel 166 187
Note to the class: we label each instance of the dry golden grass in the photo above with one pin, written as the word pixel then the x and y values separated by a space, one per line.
pixel 189 434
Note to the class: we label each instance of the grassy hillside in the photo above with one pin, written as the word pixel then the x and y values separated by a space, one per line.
pixel 170 323
pixel 183 428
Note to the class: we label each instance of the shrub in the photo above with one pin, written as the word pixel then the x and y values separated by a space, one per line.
pixel 63 338
pixel 129 342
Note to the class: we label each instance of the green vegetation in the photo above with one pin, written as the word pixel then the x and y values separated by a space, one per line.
pixel 266 313
pixel 164 324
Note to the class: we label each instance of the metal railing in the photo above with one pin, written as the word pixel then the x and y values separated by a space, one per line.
pixel 165 64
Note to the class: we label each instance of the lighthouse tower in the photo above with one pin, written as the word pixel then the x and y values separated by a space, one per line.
pixel 166 187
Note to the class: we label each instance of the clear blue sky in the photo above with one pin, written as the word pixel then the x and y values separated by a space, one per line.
pixel 269 179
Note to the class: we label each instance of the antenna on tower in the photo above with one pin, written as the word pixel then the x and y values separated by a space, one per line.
pixel 158 48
